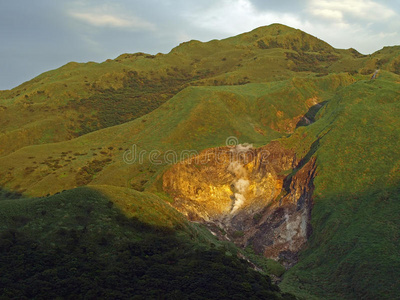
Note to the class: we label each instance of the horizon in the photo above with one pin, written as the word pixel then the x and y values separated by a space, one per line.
pixel 48 35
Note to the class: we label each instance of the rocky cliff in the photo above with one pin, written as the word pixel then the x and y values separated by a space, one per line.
pixel 256 197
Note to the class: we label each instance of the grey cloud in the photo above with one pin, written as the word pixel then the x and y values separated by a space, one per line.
pixel 34 39
pixel 282 6
pixel 42 35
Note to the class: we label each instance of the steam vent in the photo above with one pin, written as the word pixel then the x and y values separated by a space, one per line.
pixel 257 197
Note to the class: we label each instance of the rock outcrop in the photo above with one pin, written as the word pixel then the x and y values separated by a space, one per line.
pixel 258 197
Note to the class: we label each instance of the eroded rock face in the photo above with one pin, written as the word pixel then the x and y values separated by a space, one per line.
pixel 260 197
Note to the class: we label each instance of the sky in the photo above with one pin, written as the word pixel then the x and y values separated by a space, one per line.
pixel 37 36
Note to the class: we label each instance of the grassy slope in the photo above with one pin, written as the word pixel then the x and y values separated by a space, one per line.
pixel 354 250
pixel 108 242
pixel 95 205
pixel 248 112
pixel 81 98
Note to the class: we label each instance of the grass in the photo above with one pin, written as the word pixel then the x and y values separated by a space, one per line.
pixel 353 251
pixel 255 87
pixel 83 98
pixel 254 113
pixel 96 237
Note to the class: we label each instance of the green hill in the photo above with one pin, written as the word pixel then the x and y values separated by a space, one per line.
pixel 354 248
pixel 253 113
pixel 104 134
pixel 81 98
pixel 83 243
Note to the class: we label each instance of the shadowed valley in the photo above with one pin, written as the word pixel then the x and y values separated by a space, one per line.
pixel 270 153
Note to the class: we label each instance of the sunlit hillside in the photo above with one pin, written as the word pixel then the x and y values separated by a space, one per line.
pixel 91 155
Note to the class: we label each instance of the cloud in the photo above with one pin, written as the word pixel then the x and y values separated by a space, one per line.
pixel 362 24
pixel 283 6
pixel 337 10
pixel 109 20
pixel 237 16
pixel 182 37
pixel 47 34
pixel 330 14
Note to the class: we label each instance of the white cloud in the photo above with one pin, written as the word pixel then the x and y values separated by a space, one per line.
pixel 182 37
pixel 100 19
pixel 384 35
pixel 101 29
pixel 330 14
pixel 361 9
pixel 237 16
pixel 362 24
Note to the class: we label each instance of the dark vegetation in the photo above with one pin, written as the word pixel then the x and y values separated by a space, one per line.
pixel 140 95
pixel 367 243
pixel 306 62
pixel 85 174
pixel 353 252
pixel 83 247
pixel 396 67
pixel 158 267
pixel 6 194
pixel 99 253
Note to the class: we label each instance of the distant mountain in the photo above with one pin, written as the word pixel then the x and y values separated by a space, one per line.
pixel 273 140
pixel 81 98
